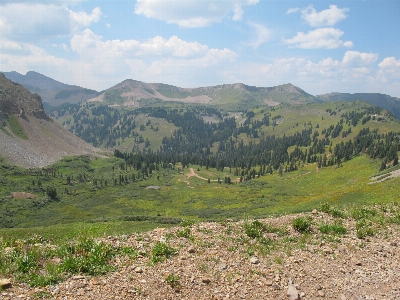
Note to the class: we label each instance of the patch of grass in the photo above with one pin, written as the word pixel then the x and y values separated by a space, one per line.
pixel 187 223
pixel 16 127
pixel 364 213
pixel 87 257
pixel 173 280
pixel 364 228
pixel 278 260
pixel 36 262
pixel 334 212
pixel 255 229
pixel 335 229
pixel 161 252
pixel 184 233
pixel 302 224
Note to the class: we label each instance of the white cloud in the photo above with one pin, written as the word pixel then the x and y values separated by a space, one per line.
pixel 356 59
pixel 354 65
pixel 42 20
pixel 9 46
pixel 353 73
pixel 82 19
pixel 389 70
pixel 262 35
pixel 171 60
pixel 327 17
pixel 193 13
pixel 292 10
pixel 282 66
pixel 328 38
pixel 90 45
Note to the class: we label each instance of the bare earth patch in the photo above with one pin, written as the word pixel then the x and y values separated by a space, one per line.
pixel 22 195
pixel 271 102
pixel 381 178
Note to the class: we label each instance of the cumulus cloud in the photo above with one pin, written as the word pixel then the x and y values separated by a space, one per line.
pixel 42 20
pixel 194 13
pixel 328 38
pixel 282 66
pixel 82 19
pixel 171 60
pixel 354 65
pixel 262 35
pixel 90 44
pixel 357 59
pixel 326 17
pixel 327 74
pixel 389 70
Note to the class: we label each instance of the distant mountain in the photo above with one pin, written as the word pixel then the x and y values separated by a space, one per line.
pixel 51 91
pixel 131 92
pixel 28 136
pixel 381 100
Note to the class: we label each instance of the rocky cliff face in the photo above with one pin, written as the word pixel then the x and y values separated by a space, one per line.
pixel 41 140
pixel 15 99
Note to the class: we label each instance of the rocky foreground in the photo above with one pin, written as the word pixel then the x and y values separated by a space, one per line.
pixel 230 260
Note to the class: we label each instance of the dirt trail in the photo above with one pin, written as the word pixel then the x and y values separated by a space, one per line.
pixel 192 173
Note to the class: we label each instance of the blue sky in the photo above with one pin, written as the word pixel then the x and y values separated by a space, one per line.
pixel 320 46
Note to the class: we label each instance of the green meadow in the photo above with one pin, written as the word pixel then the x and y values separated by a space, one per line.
pixel 105 208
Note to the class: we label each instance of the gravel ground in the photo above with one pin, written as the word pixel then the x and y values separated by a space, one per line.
pixel 47 143
pixel 219 261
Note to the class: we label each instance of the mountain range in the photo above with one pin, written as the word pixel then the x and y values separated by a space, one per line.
pixel 51 91
pixel 133 93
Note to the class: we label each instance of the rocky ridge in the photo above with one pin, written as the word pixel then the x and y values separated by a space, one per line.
pixel 46 141
pixel 221 261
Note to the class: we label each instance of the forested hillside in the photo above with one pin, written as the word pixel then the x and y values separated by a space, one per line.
pixel 272 138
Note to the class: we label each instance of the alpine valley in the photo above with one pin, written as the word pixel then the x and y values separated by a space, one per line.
pixel 143 155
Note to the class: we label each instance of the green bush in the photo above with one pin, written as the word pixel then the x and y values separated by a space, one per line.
pixel 88 256
pixel 363 213
pixel 364 228
pixel 335 229
pixel 302 224
pixel 187 223
pixel 255 229
pixel 334 212
pixel 161 251
pixel 184 233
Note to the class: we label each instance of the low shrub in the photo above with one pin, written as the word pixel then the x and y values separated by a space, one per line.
pixel 161 251
pixel 302 224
